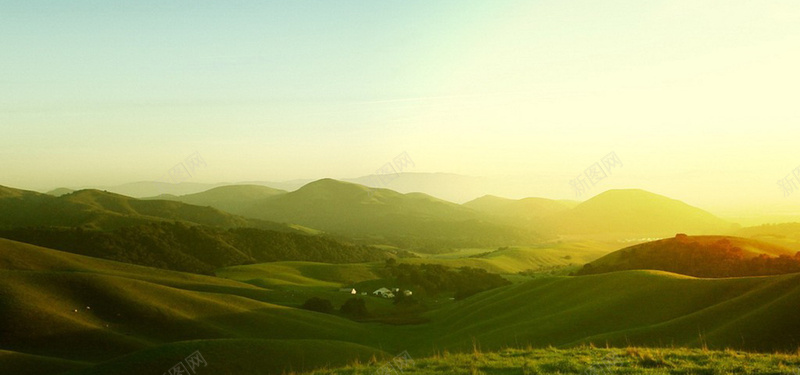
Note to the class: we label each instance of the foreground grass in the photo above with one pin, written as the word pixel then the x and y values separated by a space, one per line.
pixel 583 360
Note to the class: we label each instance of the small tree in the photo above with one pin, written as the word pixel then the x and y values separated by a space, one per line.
pixel 355 307
pixel 318 305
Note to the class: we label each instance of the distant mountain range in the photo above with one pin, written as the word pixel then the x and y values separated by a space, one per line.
pixel 407 220
pixel 149 189
pixel 376 215
pixel 382 215
pixel 356 210
pixel 637 212
pixel 94 209
pixel 615 213
pixel 448 186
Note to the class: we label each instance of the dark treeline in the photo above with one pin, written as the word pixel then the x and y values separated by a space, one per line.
pixel 718 259
pixel 433 279
pixel 197 249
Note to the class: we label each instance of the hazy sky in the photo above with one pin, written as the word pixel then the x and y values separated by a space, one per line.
pixel 699 99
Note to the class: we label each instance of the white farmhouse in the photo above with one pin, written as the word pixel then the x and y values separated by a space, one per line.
pixel 383 292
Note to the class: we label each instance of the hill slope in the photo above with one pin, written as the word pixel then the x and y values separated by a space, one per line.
pixel 103 210
pixel 412 219
pixel 701 256
pixel 642 308
pixel 197 249
pixel 638 212
pixel 63 311
pixel 76 311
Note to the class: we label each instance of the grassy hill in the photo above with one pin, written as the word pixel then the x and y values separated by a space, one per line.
pixel 514 259
pixel 303 273
pixel 102 210
pixel 702 256
pixel 634 211
pixel 66 311
pixel 197 249
pixel 650 308
pixel 641 308
pixel 385 216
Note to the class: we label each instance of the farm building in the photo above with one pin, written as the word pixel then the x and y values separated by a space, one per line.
pixel 384 292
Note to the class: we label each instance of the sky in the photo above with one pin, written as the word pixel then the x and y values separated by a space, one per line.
pixel 699 100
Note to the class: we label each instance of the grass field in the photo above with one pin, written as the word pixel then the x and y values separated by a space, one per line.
pixel 627 308
pixel 582 360
pixel 302 273
pixel 65 312
pixel 514 259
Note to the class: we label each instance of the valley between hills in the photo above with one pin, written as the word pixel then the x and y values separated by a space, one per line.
pixel 267 281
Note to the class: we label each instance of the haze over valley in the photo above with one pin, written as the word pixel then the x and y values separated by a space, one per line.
pixel 505 187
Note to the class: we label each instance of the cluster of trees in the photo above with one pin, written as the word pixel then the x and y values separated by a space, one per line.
pixel 717 259
pixel 434 279
pixel 197 249
pixel 353 307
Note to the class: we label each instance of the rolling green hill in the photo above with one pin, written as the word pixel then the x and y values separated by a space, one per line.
pixel 68 312
pixel 640 308
pixel 637 212
pixel 65 311
pixel 102 210
pixel 384 216
pixel 701 256
pixel 514 259
pixel 197 249
pixel 303 273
